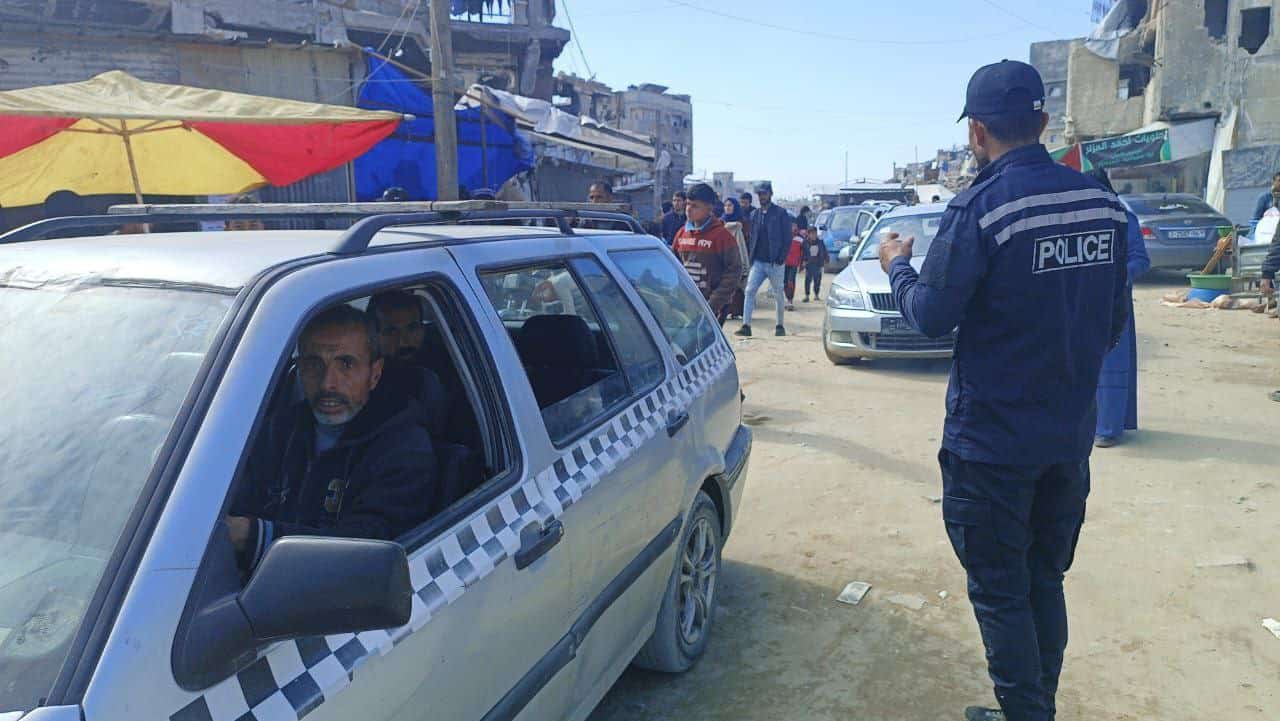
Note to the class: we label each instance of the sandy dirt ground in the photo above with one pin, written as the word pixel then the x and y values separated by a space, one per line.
pixel 843 486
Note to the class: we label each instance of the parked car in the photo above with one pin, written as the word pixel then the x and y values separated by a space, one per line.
pixel 844 226
pixel 590 470
pixel 1179 229
pixel 862 318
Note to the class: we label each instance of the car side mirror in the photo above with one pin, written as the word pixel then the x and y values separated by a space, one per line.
pixel 308 586
pixel 304 586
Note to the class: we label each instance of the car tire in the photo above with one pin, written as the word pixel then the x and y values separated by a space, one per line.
pixel 687 614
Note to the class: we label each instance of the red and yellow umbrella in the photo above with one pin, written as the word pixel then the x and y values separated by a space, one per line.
pixel 115 134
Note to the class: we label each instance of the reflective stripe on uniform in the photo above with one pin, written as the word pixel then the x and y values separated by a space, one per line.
pixel 1048 219
pixel 1035 201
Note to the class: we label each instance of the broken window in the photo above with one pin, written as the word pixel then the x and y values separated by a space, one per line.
pixel 1215 18
pixel 1133 81
pixel 1255 26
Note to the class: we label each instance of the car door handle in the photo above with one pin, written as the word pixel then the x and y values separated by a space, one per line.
pixel 535 541
pixel 675 423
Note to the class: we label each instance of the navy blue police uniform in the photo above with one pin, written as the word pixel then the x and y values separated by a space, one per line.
pixel 1029 265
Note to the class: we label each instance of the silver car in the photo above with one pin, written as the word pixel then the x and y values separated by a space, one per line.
pixel 590 470
pixel 862 318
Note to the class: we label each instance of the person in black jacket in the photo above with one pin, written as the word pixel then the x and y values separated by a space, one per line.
pixel 346 461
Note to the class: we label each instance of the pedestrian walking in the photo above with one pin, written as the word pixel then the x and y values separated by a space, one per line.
pixel 1118 383
pixel 708 251
pixel 733 222
pixel 748 210
pixel 1029 262
pixel 674 220
pixel 771 239
pixel 816 258
pixel 795 254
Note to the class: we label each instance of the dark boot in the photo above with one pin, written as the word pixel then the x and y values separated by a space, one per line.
pixel 779 331
pixel 744 331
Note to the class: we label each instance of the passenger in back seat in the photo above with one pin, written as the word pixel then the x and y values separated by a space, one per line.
pixel 421 370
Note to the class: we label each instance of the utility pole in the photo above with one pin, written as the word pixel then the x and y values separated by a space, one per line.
pixel 846 170
pixel 442 102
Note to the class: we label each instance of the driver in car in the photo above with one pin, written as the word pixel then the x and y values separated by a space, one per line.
pixel 346 461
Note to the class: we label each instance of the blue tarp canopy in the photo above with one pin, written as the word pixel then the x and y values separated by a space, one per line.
pixel 490 150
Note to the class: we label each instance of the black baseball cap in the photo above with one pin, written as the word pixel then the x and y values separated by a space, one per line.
pixel 1002 88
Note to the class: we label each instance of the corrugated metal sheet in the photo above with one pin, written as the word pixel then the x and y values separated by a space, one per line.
pixel 49 58
pixel 333 187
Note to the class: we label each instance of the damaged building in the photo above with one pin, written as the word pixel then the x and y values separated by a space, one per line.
pixel 648 110
pixel 297 49
pixel 1192 90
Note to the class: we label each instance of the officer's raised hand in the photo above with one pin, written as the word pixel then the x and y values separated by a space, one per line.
pixel 892 246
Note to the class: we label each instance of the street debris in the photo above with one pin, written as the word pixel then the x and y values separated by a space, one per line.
pixel 906 600
pixel 1272 625
pixel 933 499
pixel 943 595
pixel 854 593
pixel 1226 562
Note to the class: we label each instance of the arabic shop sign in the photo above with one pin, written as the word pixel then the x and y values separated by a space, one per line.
pixel 1126 150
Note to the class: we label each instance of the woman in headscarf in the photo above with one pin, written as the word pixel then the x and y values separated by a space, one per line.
pixel 1118 384
pixel 734 222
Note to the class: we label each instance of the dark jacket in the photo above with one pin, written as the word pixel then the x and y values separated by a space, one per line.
pixel 1029 262
pixel 671 224
pixel 377 482
pixel 1271 264
pixel 771 234
pixel 815 253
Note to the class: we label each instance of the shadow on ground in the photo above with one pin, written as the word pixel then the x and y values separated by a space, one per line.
pixel 783 648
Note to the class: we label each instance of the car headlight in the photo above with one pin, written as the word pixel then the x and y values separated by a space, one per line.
pixel 843 298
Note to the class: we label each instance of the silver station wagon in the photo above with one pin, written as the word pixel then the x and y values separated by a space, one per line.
pixel 567 461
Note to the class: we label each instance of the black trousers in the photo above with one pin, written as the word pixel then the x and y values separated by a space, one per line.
pixel 812 277
pixel 1014 529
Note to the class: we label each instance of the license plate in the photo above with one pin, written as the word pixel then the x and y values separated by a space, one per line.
pixel 1184 234
pixel 893 325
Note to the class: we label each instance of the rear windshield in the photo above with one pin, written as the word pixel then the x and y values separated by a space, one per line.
pixel 94 377
pixel 1169 206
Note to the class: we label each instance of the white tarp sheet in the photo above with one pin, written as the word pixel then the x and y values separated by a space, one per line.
pixel 552 123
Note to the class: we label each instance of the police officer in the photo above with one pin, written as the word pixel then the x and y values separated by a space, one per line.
pixel 1029 264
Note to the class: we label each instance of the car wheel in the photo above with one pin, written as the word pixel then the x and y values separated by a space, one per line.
pixel 688 607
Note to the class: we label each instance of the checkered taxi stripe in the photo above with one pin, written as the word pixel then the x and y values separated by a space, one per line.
pixel 292 678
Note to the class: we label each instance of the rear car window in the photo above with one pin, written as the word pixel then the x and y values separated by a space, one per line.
pixel 95 375
pixel 922 227
pixel 682 314
pixel 1169 206
pixel 570 356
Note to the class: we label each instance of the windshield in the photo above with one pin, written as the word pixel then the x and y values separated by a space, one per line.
pixel 922 227
pixel 94 377
pixel 843 220
pixel 1172 205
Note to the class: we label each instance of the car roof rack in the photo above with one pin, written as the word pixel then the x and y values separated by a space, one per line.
pixel 370 218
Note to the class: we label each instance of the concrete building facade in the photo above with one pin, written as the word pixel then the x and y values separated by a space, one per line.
pixel 1052 59
pixel 1184 61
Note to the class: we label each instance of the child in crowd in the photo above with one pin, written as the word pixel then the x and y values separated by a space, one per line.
pixel 794 256
pixel 815 258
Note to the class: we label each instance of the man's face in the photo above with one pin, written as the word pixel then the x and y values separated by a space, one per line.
pixel 698 211
pixel 765 197
pixel 401 333
pixel 678 204
pixel 336 372
pixel 598 194
pixel 746 200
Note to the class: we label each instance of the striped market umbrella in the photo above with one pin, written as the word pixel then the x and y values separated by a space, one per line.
pixel 115 134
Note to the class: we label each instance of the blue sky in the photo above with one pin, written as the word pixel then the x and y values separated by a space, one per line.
pixel 785 91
